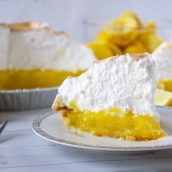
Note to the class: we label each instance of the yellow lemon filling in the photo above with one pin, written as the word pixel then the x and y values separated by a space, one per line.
pixel 114 123
pixel 27 79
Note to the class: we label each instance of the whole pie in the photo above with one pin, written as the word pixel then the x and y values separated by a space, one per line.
pixel 32 55
pixel 114 98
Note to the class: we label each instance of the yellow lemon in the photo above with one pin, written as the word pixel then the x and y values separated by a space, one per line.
pixel 135 16
pixel 123 30
pixel 150 26
pixel 163 98
pixel 165 84
pixel 100 49
pixel 115 49
pixel 135 47
pixel 151 41
pixel 102 36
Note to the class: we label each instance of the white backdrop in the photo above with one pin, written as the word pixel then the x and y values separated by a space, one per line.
pixel 67 15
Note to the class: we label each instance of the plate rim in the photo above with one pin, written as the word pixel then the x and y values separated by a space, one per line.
pixel 41 133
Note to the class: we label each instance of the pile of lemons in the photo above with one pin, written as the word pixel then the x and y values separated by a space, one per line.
pixel 125 34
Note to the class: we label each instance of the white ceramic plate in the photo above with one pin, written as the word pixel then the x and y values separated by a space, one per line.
pixel 51 128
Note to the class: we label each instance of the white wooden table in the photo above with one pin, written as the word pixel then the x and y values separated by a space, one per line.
pixel 23 151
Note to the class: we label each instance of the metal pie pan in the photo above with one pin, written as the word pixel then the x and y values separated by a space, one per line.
pixel 27 99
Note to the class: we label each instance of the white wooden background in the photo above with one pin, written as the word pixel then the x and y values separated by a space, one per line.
pixel 68 14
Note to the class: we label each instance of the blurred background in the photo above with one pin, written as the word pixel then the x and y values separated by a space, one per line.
pixel 68 15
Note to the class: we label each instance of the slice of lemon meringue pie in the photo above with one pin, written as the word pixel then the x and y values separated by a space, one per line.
pixel 114 98
pixel 32 55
